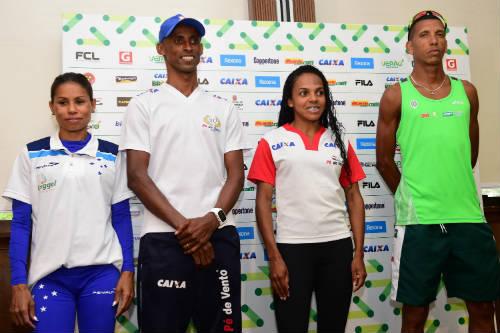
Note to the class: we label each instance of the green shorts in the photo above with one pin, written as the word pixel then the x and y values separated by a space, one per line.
pixel 463 254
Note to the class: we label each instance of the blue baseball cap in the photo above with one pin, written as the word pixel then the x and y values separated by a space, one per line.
pixel 169 25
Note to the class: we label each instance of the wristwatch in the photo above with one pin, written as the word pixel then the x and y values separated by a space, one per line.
pixel 221 217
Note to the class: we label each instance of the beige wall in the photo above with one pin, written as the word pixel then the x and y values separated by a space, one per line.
pixel 31 55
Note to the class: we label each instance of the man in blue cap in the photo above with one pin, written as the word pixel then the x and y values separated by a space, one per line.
pixel 185 163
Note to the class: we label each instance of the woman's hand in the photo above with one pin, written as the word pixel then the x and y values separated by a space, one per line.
pixel 278 273
pixel 22 306
pixel 358 272
pixel 124 292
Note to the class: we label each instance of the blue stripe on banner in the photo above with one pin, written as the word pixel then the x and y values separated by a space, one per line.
pixel 43 153
pixel 106 156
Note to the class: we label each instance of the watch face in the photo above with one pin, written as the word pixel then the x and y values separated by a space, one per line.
pixel 222 216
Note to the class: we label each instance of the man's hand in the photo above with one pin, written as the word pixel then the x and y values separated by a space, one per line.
pixel 195 232
pixel 22 306
pixel 204 256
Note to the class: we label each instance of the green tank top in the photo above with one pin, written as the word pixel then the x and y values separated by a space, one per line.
pixel 437 185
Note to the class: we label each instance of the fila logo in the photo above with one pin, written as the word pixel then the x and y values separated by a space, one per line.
pixel 364 83
pixel 172 284
pixel 371 185
pixel 366 123
pixel 125 57
pixel 451 64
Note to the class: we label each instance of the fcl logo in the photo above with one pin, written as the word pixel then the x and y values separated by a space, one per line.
pixel 451 64
pixel 125 57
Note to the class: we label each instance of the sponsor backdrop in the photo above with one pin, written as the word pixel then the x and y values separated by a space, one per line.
pixel 247 63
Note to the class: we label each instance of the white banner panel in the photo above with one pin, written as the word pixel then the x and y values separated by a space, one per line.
pixel 247 63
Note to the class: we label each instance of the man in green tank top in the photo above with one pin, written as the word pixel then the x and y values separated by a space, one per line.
pixel 440 227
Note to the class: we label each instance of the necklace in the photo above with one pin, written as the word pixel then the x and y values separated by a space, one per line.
pixel 431 91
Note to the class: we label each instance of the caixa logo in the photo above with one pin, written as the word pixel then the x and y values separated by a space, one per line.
pixel 376 248
pixel 280 145
pixel 331 62
pixel 206 60
pixel 268 102
pixel 171 284
pixel 375 227
pixel 247 255
pixel 246 232
pixel 234 81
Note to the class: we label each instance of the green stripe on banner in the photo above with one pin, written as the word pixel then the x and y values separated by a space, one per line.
pixel 386 292
pixel 151 38
pixel 127 324
pixel 295 42
pixel 250 42
pixel 257 276
pixel 360 32
pixel 72 21
pixel 215 22
pixel 264 291
pixel 316 31
pixel 206 43
pixel 313 315
pixel 357 315
pixel 350 26
pixel 377 283
pixel 125 25
pixel 375 266
pixel 272 29
pixel 455 306
pixel 99 36
pixel 252 315
pixel 431 326
pixel 462 45
pixel 375 328
pixel 225 28
pixel 363 306
pixel 340 47
pixel 456 52
pixel 382 45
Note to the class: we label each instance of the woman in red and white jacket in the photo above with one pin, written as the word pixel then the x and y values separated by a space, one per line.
pixel 313 173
